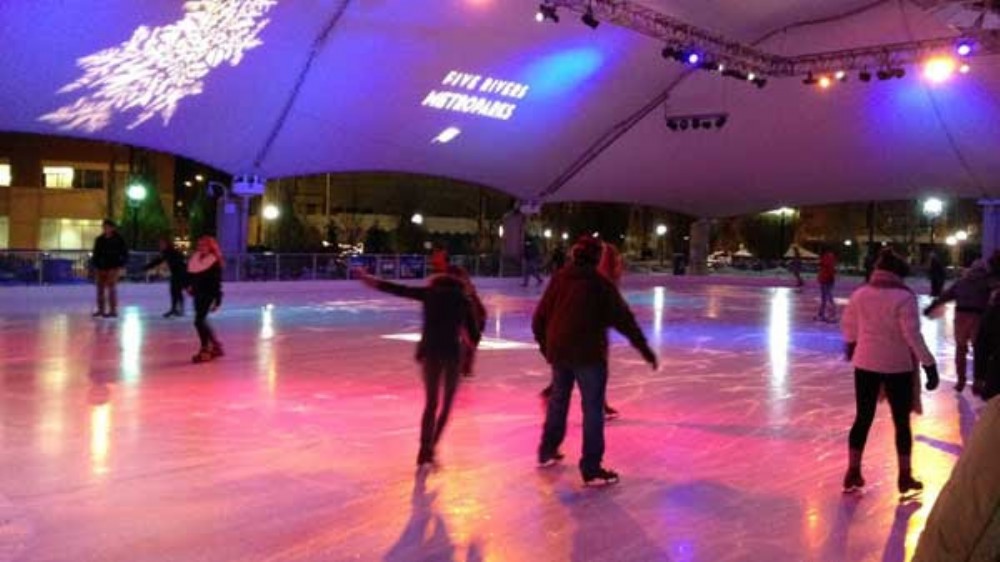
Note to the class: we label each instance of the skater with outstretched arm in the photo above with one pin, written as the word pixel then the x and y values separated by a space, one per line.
pixel 174 259
pixel 447 313
pixel 571 327
pixel 204 281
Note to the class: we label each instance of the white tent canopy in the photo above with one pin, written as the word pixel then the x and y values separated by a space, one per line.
pixel 282 87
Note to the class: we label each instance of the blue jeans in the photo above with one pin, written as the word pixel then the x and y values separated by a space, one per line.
pixel 826 299
pixel 593 381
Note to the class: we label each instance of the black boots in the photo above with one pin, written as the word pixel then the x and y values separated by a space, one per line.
pixel 908 485
pixel 853 481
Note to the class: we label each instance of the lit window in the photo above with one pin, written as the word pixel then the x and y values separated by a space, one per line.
pixel 5 174
pixel 58 177
pixel 68 234
pixel 4 233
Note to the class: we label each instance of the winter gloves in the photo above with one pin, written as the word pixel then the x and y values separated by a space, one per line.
pixel 932 377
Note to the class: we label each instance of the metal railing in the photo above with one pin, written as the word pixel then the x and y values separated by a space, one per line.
pixel 64 267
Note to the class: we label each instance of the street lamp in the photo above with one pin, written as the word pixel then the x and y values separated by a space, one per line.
pixel 661 232
pixel 933 207
pixel 782 212
pixel 136 194
pixel 548 233
pixel 417 219
pixel 961 236
pixel 269 212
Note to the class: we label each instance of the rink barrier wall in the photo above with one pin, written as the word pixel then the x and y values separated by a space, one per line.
pixel 67 267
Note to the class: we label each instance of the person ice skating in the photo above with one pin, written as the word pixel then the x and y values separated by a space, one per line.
pixel 971 294
pixel 937 274
pixel 178 271
pixel 469 346
pixel 109 258
pixel 531 261
pixel 881 327
pixel 557 260
pixel 439 259
pixel 570 325
pixel 964 523
pixel 611 267
pixel 204 281
pixel 986 365
pixel 795 267
pixel 826 277
pixel 447 312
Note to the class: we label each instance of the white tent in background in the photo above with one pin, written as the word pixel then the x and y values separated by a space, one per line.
pixel 803 253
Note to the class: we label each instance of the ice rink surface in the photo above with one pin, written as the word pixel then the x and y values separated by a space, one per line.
pixel 300 443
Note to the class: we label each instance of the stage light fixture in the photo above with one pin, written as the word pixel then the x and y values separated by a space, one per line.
pixel 965 68
pixel 547 12
pixel 589 20
pixel 706 124
pixel 760 82
pixel 884 74
pixel 825 82
pixel 693 58
pixel 939 69
pixel 721 68
pixel 668 52
pixel 671 124
pixel 696 123
pixel 841 76
pixel 684 124
pixel 865 76
pixel 899 72
pixel 809 80
pixel 720 121
pixel 964 49
pixel 751 77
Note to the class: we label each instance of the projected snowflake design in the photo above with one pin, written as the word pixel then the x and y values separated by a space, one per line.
pixel 158 67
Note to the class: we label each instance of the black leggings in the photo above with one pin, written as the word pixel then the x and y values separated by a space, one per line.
pixel 176 294
pixel 202 306
pixel 437 373
pixel 898 391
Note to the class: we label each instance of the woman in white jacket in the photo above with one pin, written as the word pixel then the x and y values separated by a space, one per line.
pixel 881 326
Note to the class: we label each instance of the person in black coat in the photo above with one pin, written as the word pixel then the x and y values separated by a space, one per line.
pixel 448 313
pixel 109 257
pixel 938 274
pixel 178 271
pixel 204 282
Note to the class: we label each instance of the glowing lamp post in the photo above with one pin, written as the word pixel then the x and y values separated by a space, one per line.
pixel 661 233
pixel 783 213
pixel 417 219
pixel 933 207
pixel 136 194
pixel 269 212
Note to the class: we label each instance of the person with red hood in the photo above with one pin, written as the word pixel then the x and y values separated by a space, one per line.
pixel 571 326
pixel 826 277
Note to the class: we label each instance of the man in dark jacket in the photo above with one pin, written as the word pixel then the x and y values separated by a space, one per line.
pixel 447 313
pixel 971 294
pixel 109 258
pixel 178 272
pixel 571 327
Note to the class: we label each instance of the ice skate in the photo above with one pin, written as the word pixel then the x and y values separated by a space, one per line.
pixel 909 486
pixel 203 356
pixel 610 413
pixel 603 477
pixel 853 481
pixel 216 350
pixel 550 460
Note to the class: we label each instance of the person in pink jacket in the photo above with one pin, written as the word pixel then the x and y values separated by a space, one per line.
pixel 881 327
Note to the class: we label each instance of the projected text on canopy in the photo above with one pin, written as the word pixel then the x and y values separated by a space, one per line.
pixel 476 94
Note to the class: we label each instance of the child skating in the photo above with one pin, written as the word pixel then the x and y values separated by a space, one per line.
pixel 205 286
